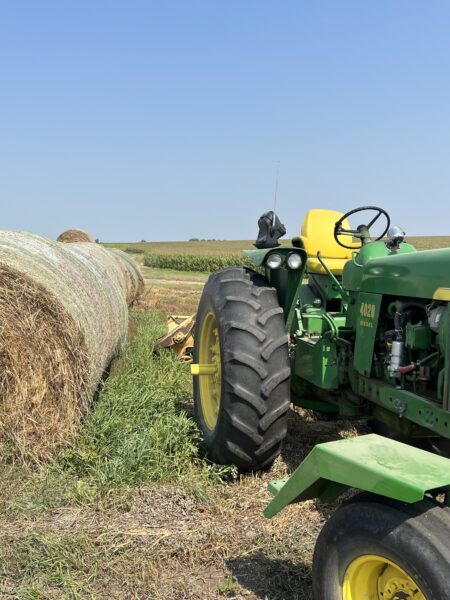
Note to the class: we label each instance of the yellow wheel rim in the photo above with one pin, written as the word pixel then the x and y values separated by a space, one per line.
pixel 210 384
pixel 372 577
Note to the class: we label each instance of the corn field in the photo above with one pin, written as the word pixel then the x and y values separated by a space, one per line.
pixel 205 263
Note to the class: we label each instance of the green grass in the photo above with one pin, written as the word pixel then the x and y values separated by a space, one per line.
pixel 235 247
pixel 50 561
pixel 209 256
pixel 209 248
pixel 200 263
pixel 124 512
pixel 138 430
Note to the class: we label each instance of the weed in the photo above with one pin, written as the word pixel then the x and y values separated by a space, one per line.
pixel 134 250
pixel 229 588
pixel 61 561
pixel 139 429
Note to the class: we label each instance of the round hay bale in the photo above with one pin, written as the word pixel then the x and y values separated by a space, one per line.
pixel 71 236
pixel 63 318
pixel 132 274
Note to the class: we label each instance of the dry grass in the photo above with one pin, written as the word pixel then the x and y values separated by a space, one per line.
pixel 164 543
pixel 44 367
pixel 132 275
pixel 429 243
pixel 124 518
pixel 224 247
pixel 64 318
pixel 171 292
pixel 75 235
pixel 131 511
pixel 210 248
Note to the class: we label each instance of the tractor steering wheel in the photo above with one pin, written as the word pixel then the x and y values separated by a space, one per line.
pixel 362 231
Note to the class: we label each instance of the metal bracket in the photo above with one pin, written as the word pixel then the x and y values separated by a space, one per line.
pixel 370 462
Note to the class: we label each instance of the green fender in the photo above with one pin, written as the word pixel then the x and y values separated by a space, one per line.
pixel 259 256
pixel 286 281
pixel 370 462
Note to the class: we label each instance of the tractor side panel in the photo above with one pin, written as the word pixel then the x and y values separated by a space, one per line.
pixel 367 315
pixel 316 362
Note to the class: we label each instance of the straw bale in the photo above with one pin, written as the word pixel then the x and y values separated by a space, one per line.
pixel 71 236
pixel 63 318
pixel 132 273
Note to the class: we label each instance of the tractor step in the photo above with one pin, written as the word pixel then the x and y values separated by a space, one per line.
pixel 370 462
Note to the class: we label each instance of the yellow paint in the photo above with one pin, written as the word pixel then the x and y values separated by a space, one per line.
pixel 203 369
pixel 318 236
pixel 209 367
pixel 442 294
pixel 372 577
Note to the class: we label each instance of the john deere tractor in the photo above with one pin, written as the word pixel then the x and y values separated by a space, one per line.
pixel 353 324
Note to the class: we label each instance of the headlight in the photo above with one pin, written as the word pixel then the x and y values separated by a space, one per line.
pixel 274 260
pixel 294 261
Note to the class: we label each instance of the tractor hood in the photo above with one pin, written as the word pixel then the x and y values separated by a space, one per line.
pixel 415 274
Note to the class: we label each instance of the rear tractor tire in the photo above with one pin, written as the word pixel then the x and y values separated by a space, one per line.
pixel 241 396
pixel 374 548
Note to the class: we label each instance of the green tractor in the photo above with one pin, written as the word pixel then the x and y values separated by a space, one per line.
pixel 340 323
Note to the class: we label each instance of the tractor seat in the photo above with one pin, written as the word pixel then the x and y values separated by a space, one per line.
pixel 318 236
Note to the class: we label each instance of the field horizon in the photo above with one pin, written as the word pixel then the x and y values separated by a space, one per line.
pixel 221 247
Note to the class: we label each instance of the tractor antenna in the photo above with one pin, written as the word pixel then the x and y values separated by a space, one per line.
pixel 275 199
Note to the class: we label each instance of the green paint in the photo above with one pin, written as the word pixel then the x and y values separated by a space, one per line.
pixel 302 394
pixel 371 463
pixel 446 344
pixel 326 288
pixel 316 361
pixel 416 276
pixel 354 269
pixel 314 404
pixel 418 336
pixel 405 405
pixel 336 332
pixel 288 284
pixel 286 281
pixel 367 314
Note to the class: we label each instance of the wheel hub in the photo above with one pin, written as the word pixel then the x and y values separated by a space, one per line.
pixel 394 584
pixel 210 369
pixel 394 591
pixel 378 578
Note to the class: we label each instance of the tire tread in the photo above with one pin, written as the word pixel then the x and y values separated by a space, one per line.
pixel 255 369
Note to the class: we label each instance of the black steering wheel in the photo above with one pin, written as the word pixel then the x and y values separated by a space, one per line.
pixel 362 232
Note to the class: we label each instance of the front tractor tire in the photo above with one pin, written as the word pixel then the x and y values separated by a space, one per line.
pixel 241 395
pixel 379 549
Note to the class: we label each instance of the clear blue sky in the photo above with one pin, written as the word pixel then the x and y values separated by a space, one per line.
pixel 166 120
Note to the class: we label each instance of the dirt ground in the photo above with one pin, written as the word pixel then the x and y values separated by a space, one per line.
pixel 161 542
pixel 174 546
pixel 228 549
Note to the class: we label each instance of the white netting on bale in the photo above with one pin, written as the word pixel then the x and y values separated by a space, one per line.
pixel 71 236
pixel 131 272
pixel 63 318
